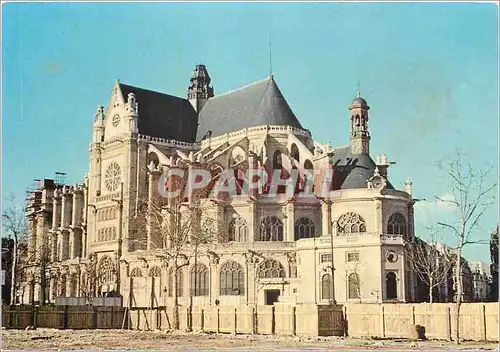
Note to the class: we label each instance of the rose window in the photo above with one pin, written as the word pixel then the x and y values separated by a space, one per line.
pixel 112 177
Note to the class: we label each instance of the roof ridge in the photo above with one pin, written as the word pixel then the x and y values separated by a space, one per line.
pixel 240 88
pixel 152 91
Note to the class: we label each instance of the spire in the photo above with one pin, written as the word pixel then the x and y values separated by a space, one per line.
pixel 199 90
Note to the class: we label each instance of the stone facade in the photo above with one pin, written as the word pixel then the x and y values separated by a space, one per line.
pixel 284 245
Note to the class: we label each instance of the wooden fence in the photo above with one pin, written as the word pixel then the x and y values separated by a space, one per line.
pixel 62 317
pixel 479 321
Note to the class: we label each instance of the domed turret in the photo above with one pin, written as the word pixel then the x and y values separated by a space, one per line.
pixel 360 137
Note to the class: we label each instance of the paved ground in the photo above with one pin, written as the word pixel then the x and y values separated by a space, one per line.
pixel 118 340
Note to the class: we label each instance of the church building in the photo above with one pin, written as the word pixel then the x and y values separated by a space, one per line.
pixel 348 247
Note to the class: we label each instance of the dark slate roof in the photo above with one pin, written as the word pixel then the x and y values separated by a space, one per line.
pixel 352 170
pixel 162 115
pixel 260 103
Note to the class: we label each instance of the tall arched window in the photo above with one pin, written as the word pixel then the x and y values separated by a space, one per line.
pixel 136 272
pixel 350 223
pixel 271 229
pixel 353 286
pixel 277 160
pixel 155 271
pixel 294 152
pixel 232 279
pixel 391 286
pixel 396 225
pixel 62 287
pixel 238 230
pixel 326 287
pixel 105 271
pixel 271 269
pixel 73 283
pixel 199 280
pixel 180 283
pixel 304 228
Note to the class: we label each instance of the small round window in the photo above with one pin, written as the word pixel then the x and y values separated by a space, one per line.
pixel 116 120
pixel 392 257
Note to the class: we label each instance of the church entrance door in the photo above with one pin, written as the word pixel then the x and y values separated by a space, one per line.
pixel 271 296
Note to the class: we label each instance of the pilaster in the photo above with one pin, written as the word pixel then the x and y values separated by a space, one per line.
pixel 326 218
pixel 290 221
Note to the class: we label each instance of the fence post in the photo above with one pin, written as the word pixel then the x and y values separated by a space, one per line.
pixel 218 321
pixel 35 317
pixel 483 322
pixel 448 323
pixel 202 320
pixel 235 320
pixel 254 320
pixel 273 320
pixel 344 321
pixel 382 321
pixel 94 317
pixel 65 317
pixel 413 319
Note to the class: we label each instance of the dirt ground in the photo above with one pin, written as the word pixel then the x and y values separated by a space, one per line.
pixel 63 340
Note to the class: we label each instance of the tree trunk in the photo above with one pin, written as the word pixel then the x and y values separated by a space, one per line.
pixel 431 288
pixel 458 281
pixel 13 278
pixel 175 318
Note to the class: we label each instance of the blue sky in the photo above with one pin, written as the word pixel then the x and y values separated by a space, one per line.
pixel 428 71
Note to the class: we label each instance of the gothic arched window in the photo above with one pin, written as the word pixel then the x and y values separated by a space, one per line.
pixel 396 224
pixel 73 283
pixel 238 230
pixel 391 286
pixel 353 286
pixel 199 280
pixel 304 228
pixel 180 283
pixel 232 279
pixel 277 160
pixel 105 271
pixel 62 286
pixel 271 229
pixel 271 269
pixel 155 271
pixel 294 152
pixel 326 287
pixel 136 272
pixel 350 223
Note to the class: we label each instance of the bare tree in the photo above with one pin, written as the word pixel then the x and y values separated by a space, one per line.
pixel 471 198
pixel 431 265
pixel 14 225
pixel 180 229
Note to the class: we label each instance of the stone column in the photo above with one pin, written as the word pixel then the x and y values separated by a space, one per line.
pixel 379 226
pixel 56 216
pixel 154 175
pixel 54 248
pixel 42 229
pixel 253 230
pixel 326 218
pixel 32 228
pixel 76 222
pixel 85 220
pixel 214 278
pixel 290 221
pixel 251 280
pixel 66 210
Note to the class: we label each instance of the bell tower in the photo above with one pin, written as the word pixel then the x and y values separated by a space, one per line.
pixel 360 137
pixel 199 90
